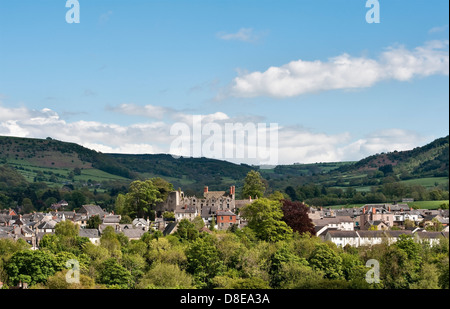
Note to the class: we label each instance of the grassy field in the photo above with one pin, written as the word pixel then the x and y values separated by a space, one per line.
pixel 30 171
pixel 427 182
pixel 427 204
pixel 418 204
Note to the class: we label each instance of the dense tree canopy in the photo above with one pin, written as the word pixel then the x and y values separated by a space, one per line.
pixel 265 219
pixel 253 185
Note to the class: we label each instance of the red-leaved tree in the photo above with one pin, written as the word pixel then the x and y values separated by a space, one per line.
pixel 295 214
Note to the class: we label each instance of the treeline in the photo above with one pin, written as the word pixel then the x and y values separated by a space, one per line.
pixel 320 195
pixel 25 197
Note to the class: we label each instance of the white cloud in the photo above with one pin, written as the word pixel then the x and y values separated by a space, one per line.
pixel 148 111
pixel 382 141
pixel 244 35
pixel 104 18
pixel 438 29
pixel 344 72
pixel 295 144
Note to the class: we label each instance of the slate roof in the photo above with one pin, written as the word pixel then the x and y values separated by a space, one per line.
pixel 208 211
pixel 347 212
pixel 170 228
pixel 92 210
pixel 112 219
pixel 133 233
pixel 332 220
pixel 214 194
pixel 4 219
pixel 39 235
pixel 47 225
pixel 225 213
pixel 342 234
pixel 241 203
pixel 191 209
pixel 394 233
pixel 370 234
pixel 432 235
pixel 89 233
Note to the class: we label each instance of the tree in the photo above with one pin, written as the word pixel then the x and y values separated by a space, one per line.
pixel 31 267
pixel 429 278
pixel 166 276
pixel 264 218
pixel 325 259
pixel 135 264
pixel 253 185
pixel 78 199
pixel 198 222
pixel 276 196
pixel 186 230
pixel 163 187
pixel 59 281
pixel 279 260
pixel 142 196
pixel 27 206
pixel 290 191
pixel 120 204
pixel 295 214
pixel 299 276
pixel 396 270
pixel 110 241
pixel 126 219
pixel 93 222
pixel 203 261
pixel 66 229
pixel 212 226
pixel 112 273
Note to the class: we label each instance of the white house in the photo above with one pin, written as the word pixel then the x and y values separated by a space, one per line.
pixel 341 223
pixel 92 234
pixel 343 238
pixel 188 212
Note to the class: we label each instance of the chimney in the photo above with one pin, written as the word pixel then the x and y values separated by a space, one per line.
pixel 205 190
pixel 364 210
pixel 234 190
pixel 374 210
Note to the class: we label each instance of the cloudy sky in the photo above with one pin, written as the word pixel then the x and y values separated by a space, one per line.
pixel 338 88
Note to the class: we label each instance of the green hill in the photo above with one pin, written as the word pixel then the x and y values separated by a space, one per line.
pixel 57 163
pixel 53 161
pixel 431 160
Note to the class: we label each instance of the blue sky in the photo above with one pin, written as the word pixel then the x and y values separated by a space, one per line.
pixel 119 79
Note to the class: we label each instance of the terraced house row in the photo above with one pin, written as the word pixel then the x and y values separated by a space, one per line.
pixel 374 223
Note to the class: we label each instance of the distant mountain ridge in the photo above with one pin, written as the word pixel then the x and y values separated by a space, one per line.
pixel 431 160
